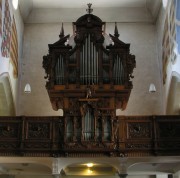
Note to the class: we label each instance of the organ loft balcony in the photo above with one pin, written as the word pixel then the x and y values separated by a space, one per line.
pixel 102 136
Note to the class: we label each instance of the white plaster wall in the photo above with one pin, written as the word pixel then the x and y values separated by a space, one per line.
pixel 56 15
pixel 142 37
pixel 16 82
pixel 36 40
pixel 159 35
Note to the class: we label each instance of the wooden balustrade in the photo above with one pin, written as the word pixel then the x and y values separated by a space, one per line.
pixel 128 136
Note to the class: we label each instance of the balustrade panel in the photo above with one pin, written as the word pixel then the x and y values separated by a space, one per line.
pixel 133 136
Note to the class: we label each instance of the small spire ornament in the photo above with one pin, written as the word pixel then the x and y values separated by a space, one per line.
pixel 61 32
pixel 116 33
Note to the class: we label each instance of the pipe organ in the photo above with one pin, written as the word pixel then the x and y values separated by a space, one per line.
pixel 88 62
pixel 59 71
pixel 89 77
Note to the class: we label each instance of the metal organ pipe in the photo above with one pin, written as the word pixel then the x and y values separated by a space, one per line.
pixel 97 59
pixel 88 63
pixel 56 73
pixel 59 71
pixel 94 64
pixel 86 126
pixel 105 72
pixel 81 71
pixel 89 60
pixel 118 71
pixel 115 70
pixel 62 65
pixel 89 123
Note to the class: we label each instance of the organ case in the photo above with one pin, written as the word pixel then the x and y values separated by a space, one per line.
pixel 89 77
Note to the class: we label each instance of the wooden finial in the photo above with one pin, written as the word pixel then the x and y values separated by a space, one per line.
pixel 62 32
pixel 89 10
pixel 116 33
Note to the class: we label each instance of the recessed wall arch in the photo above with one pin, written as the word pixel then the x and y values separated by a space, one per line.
pixel 6 98
pixel 173 103
pixel 89 169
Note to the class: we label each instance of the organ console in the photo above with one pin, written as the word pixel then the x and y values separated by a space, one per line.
pixel 89 78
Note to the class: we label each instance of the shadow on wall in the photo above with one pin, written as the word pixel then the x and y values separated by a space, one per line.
pixel 6 99
pixel 173 104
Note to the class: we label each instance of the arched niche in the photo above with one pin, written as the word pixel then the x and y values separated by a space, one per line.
pixel 173 103
pixel 6 99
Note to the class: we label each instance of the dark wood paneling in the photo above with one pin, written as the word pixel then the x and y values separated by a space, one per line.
pixel 131 136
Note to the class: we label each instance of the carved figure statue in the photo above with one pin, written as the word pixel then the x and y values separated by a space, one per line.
pixel 83 110
pixel 89 91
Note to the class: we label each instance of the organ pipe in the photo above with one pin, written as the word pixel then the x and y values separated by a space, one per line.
pixel 88 63
pixel 84 61
pixel 59 71
pixel 118 71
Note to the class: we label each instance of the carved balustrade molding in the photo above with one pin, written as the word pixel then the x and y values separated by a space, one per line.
pixel 125 136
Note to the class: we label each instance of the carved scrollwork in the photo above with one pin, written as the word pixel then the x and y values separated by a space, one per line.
pixel 9 145
pixel 74 106
pixel 9 130
pixel 104 103
pixel 168 129
pixel 90 145
pixel 131 64
pixel 57 103
pixel 121 102
pixel 46 65
pixel 138 145
pixel 139 130
pixel 40 145
pixel 38 130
